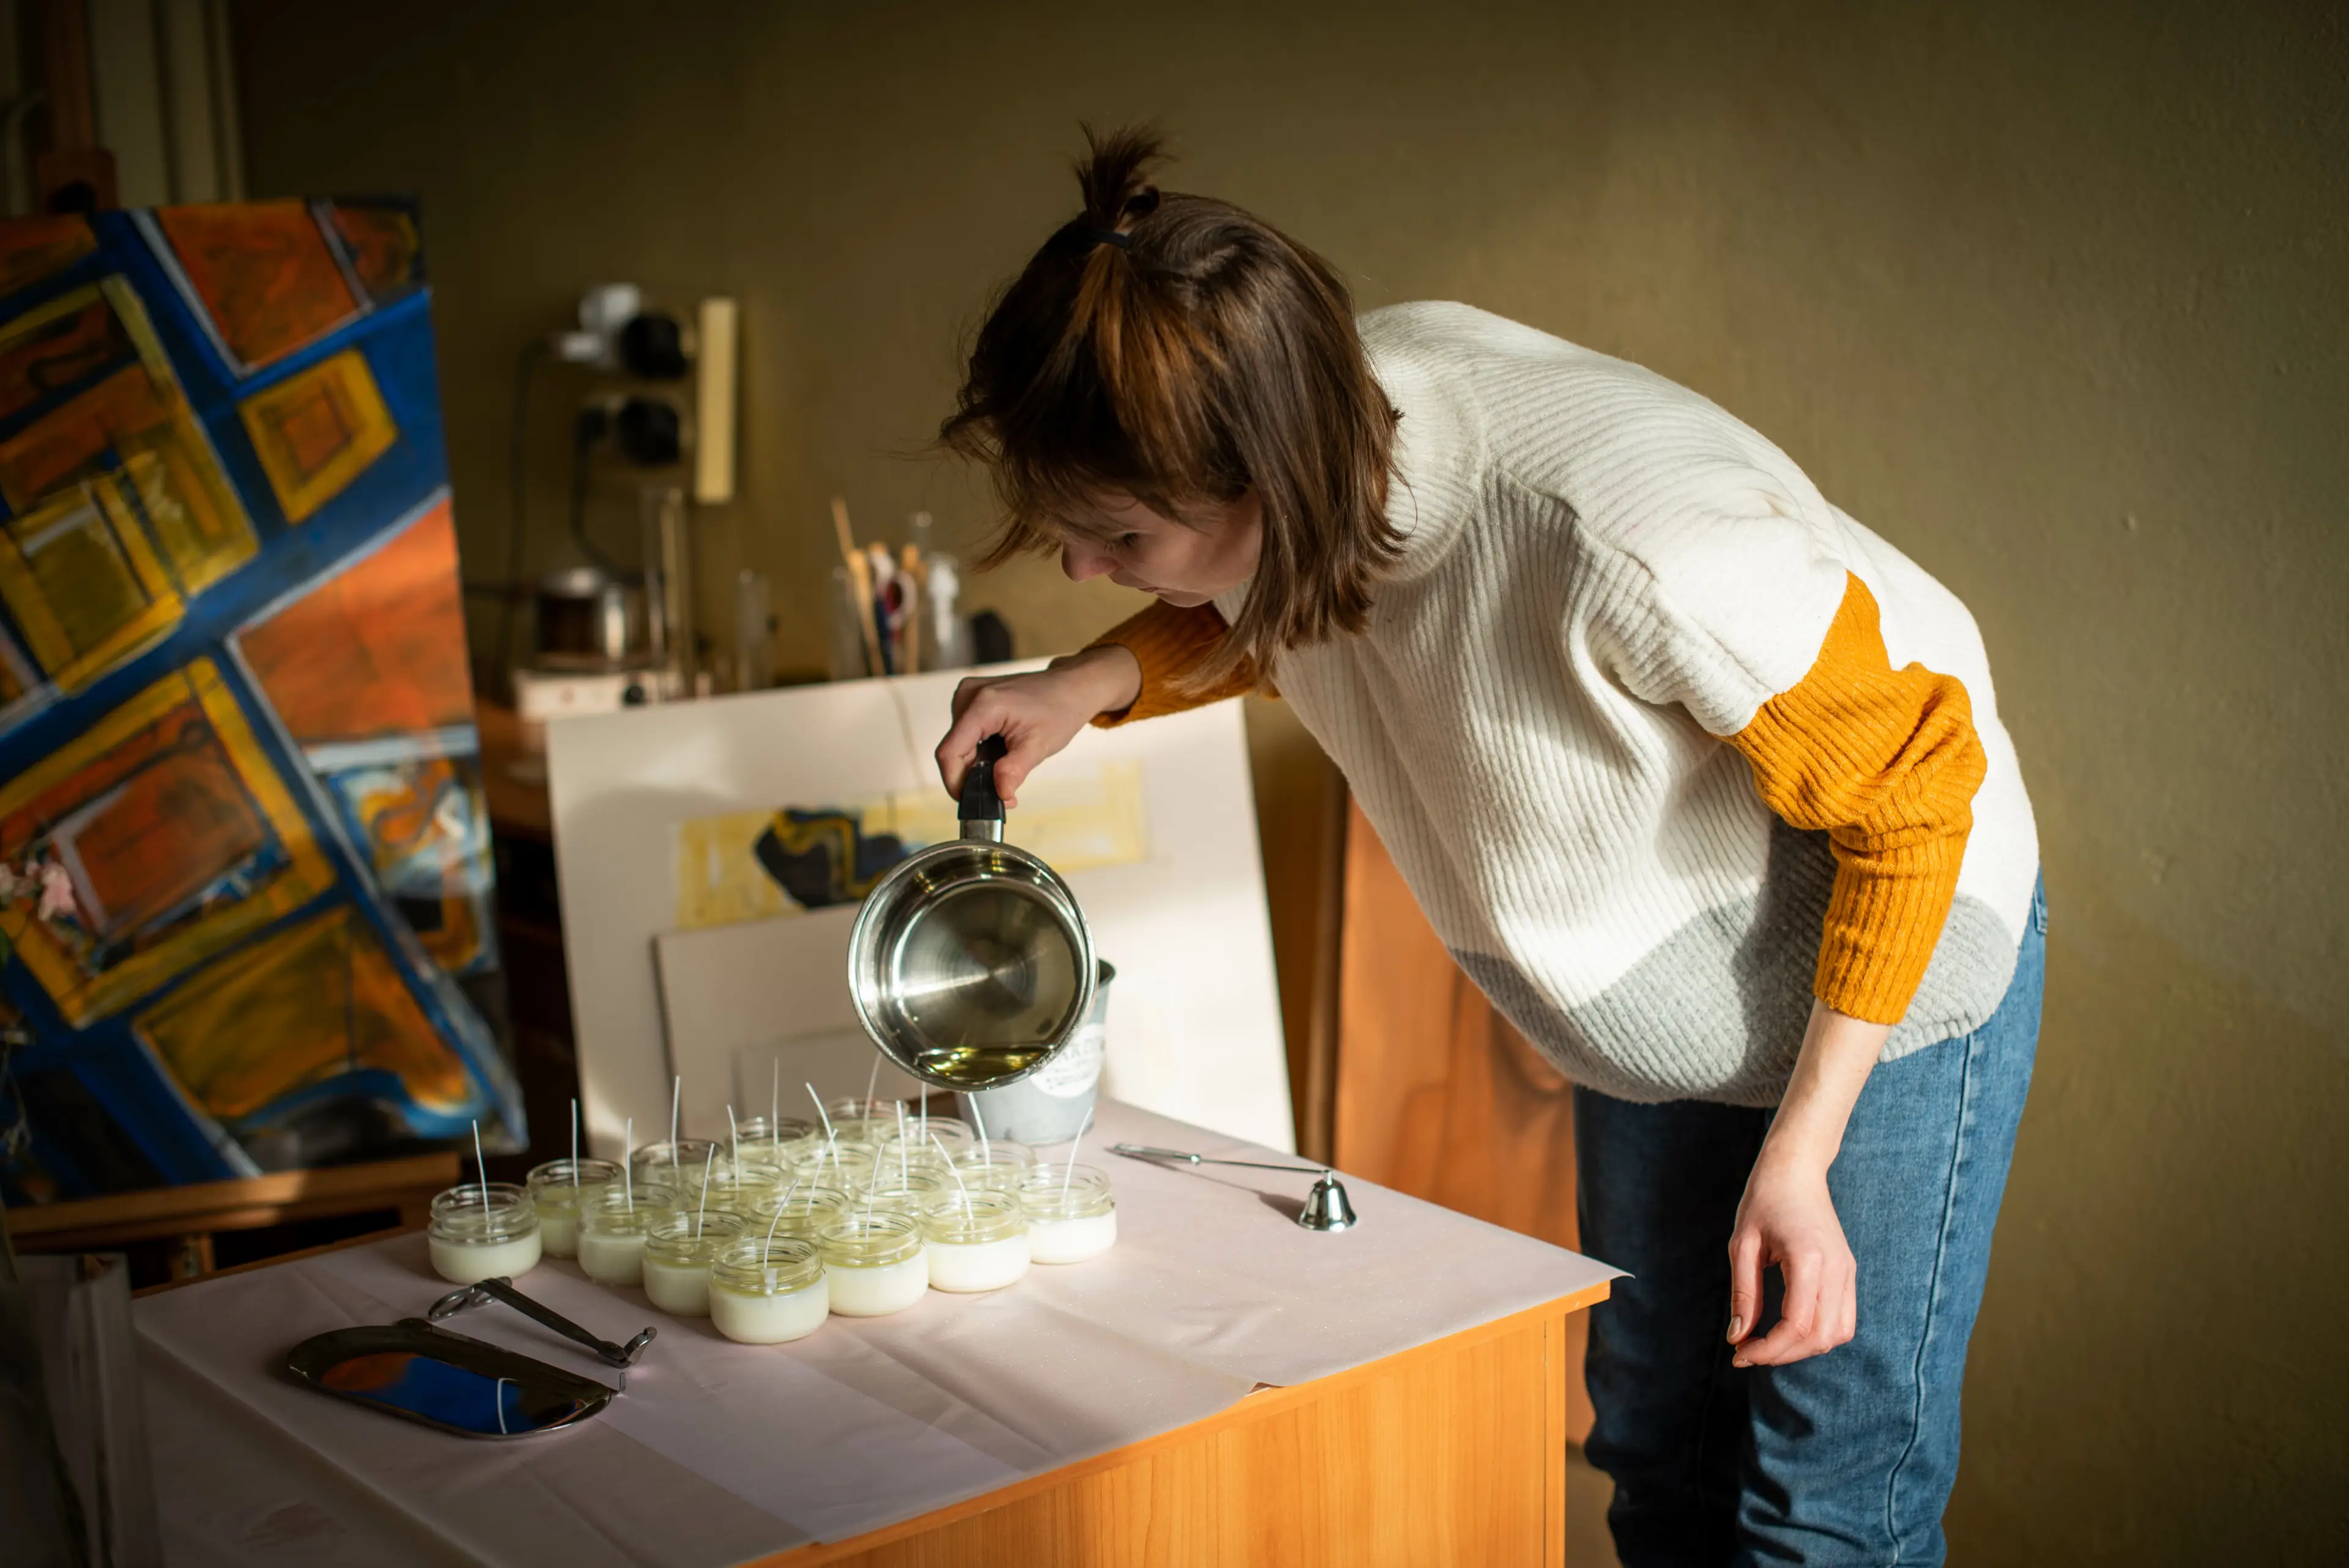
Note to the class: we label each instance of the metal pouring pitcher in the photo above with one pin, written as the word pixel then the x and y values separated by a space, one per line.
pixel 971 963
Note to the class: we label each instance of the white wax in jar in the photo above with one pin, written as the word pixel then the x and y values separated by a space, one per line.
pixel 878 1291
pixel 976 1265
pixel 748 1319
pixel 680 1290
pixel 558 1231
pixel 613 1257
pixel 1070 1240
pixel 471 1262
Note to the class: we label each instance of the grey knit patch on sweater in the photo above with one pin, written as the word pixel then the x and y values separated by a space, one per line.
pixel 1734 986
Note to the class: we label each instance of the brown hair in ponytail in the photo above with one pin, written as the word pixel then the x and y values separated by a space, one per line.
pixel 1179 350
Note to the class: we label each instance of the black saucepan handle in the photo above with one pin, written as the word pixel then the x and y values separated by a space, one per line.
pixel 981 802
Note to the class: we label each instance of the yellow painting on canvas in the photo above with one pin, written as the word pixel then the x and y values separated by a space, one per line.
pixel 1075 818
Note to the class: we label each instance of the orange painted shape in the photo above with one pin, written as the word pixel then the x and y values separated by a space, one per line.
pixel 383 245
pixel 377 649
pixel 264 272
pixel 188 710
pixel 171 829
pixel 70 444
pixel 318 429
pixel 300 1008
pixel 76 342
pixel 33 248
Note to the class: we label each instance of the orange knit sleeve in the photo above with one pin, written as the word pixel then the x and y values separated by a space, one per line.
pixel 1170 642
pixel 1887 762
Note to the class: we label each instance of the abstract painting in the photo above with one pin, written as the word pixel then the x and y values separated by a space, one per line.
pixel 246 900
pixel 756 864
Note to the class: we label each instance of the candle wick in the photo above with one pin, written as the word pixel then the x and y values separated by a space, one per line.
pixel 1074 1144
pixel 701 1214
pixel 481 1170
pixel 628 1164
pixel 676 1095
pixel 781 1204
pixel 959 1184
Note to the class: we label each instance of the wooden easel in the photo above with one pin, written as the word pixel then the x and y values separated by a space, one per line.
pixel 191 1216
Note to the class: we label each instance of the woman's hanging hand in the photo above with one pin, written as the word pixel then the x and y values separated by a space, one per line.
pixel 1037 713
pixel 1787 1218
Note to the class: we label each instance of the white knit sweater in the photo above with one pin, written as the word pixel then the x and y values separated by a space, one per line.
pixel 1605 576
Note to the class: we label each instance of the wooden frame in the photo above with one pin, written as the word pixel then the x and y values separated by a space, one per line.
pixel 192 1213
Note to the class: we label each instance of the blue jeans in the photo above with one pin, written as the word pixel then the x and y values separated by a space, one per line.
pixel 1846 1458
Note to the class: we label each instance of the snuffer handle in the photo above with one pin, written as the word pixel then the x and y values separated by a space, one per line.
pixel 1143 1151
pixel 502 1290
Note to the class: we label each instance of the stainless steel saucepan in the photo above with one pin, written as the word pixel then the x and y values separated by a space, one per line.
pixel 970 962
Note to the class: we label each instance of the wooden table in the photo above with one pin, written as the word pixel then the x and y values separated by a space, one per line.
pixel 1414 1415
pixel 1451 1453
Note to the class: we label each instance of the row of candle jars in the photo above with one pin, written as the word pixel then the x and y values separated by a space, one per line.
pixel 968 1215
pixel 824 1252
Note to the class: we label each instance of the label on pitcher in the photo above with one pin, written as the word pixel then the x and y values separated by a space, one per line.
pixel 1076 1067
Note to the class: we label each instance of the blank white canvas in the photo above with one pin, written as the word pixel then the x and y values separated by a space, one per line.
pixel 751 1006
pixel 1194 1017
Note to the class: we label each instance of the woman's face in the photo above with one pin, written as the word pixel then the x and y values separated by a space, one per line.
pixel 1184 564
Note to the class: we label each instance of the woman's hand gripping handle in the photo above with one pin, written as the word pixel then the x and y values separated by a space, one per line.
pixel 1037 713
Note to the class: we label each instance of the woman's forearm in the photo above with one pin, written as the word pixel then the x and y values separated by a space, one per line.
pixel 1787 1216
pixel 1108 674
pixel 1837 1051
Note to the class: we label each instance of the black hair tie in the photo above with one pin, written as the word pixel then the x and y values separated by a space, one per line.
pixel 1093 236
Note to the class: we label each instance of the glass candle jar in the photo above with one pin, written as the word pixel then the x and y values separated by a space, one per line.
pixel 1071 1215
pixel 977 1241
pixel 612 1230
pixel 931 1132
pixel 782 1129
pixel 832 1162
pixel 802 1211
pixel 751 1163
pixel 678 1251
pixel 765 1292
pixel 482 1233
pixel 676 1166
pixel 908 1194
pixel 758 1143
pixel 737 1189
pixel 557 1188
pixel 997 1163
pixel 898 1162
pixel 873 1264
pixel 864 1120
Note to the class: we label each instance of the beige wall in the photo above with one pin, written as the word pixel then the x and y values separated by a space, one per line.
pixel 2054 302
